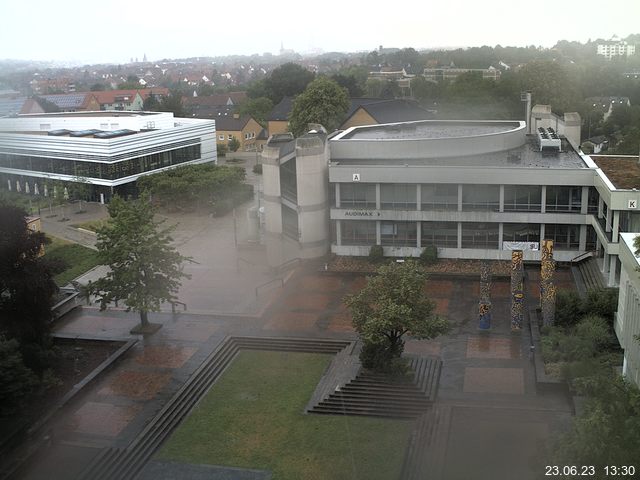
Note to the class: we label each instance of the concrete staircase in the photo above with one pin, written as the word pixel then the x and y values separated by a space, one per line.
pixel 126 463
pixel 592 278
pixel 378 395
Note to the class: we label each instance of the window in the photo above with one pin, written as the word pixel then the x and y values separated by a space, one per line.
pixel 563 199
pixel 399 234
pixel 439 196
pixel 439 234
pixel 289 222
pixel 521 232
pixel 288 181
pixel 246 136
pixel 358 195
pixel 221 137
pixel 480 235
pixel 522 198
pixel 565 237
pixel 229 137
pixel 481 197
pixel 358 232
pixel 398 196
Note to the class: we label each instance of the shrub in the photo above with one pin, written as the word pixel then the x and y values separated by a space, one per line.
pixel 569 308
pixel 588 339
pixel 257 169
pixel 376 253
pixel 384 358
pixel 222 149
pixel 602 302
pixel 429 255
pixel 16 380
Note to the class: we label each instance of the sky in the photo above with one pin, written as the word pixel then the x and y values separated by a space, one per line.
pixel 118 30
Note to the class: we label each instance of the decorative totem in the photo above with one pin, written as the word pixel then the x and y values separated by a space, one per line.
pixel 517 290
pixel 484 306
pixel 547 287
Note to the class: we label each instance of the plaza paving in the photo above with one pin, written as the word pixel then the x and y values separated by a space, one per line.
pixel 496 419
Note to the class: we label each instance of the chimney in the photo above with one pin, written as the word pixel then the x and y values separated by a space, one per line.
pixel 236 115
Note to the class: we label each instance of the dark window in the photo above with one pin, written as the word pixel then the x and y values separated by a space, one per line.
pixel 289 222
pixel 439 234
pixel 521 232
pixel 354 232
pixel 522 198
pixel 563 199
pixel 398 196
pixel 565 237
pixel 358 195
pixel 399 234
pixel 481 197
pixel 288 181
pixel 439 196
pixel 480 235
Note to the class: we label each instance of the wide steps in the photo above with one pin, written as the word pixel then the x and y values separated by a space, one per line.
pixel 116 464
pixel 591 276
pixel 367 412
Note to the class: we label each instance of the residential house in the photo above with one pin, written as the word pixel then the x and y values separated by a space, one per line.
pixel 451 73
pixel 615 48
pixel 376 111
pixel 278 119
pixel 244 128
pixel 607 104
pixel 66 102
pixel 121 100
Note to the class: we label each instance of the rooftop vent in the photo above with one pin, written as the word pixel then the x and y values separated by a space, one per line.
pixel 548 139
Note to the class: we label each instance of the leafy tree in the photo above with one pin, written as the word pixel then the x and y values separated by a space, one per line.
pixel 145 269
pixel 323 101
pixel 26 287
pixel 258 108
pixel 234 144
pixel 222 149
pixel 151 104
pixel 131 83
pixel 350 83
pixel 392 304
pixel 287 80
pixel 98 87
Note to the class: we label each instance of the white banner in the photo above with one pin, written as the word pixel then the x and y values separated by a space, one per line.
pixel 520 245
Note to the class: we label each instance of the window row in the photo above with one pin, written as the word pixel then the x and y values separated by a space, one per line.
pixel 445 234
pixel 106 171
pixel 517 198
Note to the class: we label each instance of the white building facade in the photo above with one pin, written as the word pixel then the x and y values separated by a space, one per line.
pixel 108 150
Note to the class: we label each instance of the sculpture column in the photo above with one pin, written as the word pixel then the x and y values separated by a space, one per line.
pixel 484 307
pixel 547 287
pixel 517 290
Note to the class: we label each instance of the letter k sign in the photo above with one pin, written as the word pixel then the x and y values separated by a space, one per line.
pixel 633 204
pixel 356 177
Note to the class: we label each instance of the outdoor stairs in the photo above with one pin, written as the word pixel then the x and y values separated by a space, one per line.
pixel 592 278
pixel 378 395
pixel 426 451
pixel 126 463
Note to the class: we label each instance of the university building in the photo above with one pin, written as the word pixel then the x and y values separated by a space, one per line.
pixel 108 150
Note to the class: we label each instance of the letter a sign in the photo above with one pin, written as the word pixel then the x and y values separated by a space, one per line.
pixel 356 177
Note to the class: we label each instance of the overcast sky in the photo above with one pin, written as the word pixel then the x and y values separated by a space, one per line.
pixel 117 30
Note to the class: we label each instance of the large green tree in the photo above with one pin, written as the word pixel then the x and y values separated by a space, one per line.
pixel 26 287
pixel 258 108
pixel 287 80
pixel 145 268
pixel 391 305
pixel 324 102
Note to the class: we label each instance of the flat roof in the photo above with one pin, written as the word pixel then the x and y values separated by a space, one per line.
pixel 101 113
pixel 429 129
pixel 525 156
pixel 622 171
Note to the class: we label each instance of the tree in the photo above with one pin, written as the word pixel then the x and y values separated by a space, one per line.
pixel 350 83
pixel 392 304
pixel 234 144
pixel 131 83
pixel 324 102
pixel 26 287
pixel 16 379
pixel 258 108
pixel 145 269
pixel 287 80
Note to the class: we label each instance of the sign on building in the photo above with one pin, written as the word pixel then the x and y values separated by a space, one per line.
pixel 356 177
pixel 632 204
pixel 520 245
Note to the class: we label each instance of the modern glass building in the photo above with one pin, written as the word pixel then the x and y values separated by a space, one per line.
pixel 107 150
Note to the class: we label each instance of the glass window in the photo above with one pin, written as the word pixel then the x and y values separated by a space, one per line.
pixel 220 137
pixel 481 197
pixel 521 232
pixel 480 235
pixel 289 222
pixel 522 198
pixel 565 237
pixel 439 234
pixel 443 196
pixel 288 181
pixel 229 137
pixel 398 196
pixel 358 232
pixel 358 195
pixel 594 196
pixel 563 199
pixel 399 234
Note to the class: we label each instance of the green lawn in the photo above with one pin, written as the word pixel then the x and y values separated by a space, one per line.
pixel 253 418
pixel 78 258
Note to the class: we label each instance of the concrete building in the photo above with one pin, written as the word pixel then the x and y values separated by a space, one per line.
pixel 615 48
pixel 451 73
pixel 108 150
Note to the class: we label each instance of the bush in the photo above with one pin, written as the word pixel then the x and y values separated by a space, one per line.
pixel 376 253
pixel 222 149
pixel 257 169
pixel 588 339
pixel 602 302
pixel 16 380
pixel 384 358
pixel 569 308
pixel 429 255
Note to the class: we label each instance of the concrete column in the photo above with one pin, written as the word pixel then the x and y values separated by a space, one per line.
pixel 583 238
pixel 613 264
pixel 378 200
pixel 459 234
pixel 337 196
pixel 543 199
pixel 378 235
pixel 418 197
pixel 418 234
pixel 600 207
pixel 542 232
pixel 584 205
pixel 459 197
pixel 500 235
pixel 598 245
pixel 605 263
pixel 616 225
pixel 338 233
pixel 608 221
pixel 501 207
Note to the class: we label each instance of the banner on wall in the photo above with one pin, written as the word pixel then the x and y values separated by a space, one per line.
pixel 521 246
